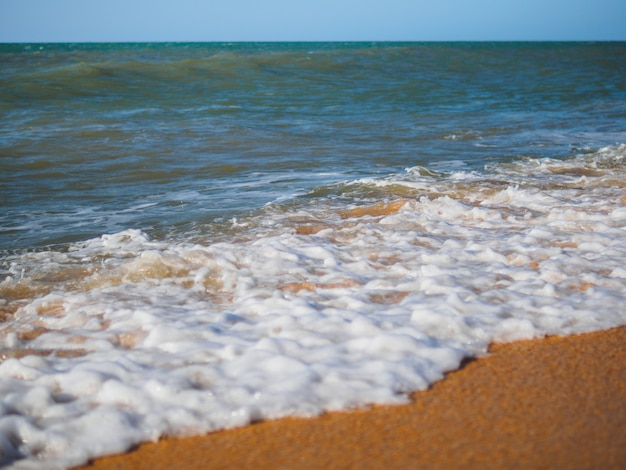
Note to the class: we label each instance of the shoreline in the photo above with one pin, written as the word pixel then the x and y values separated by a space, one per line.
pixel 557 402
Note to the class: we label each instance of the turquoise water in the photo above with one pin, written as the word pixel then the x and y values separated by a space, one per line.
pixel 169 138
pixel 195 237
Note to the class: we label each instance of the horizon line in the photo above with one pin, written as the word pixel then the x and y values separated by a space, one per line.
pixel 322 41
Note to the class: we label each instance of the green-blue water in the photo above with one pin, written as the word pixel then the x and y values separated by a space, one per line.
pixel 175 138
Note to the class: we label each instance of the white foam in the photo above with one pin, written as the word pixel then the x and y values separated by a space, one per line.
pixel 131 339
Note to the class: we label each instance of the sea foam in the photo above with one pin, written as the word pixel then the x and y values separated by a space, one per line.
pixel 123 338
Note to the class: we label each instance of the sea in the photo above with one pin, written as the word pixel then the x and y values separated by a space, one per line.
pixel 201 236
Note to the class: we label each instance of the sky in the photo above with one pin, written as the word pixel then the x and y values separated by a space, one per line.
pixel 310 20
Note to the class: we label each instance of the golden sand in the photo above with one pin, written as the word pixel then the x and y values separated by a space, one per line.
pixel 556 403
pixel 374 210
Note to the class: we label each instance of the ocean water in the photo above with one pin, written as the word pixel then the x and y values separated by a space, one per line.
pixel 196 237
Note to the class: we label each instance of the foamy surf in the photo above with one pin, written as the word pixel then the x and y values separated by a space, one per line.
pixel 303 308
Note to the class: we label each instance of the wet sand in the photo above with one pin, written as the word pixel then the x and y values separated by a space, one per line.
pixel 553 403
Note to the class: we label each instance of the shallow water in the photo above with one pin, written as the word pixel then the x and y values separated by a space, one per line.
pixel 198 236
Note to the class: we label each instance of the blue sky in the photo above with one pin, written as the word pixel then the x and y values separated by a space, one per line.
pixel 310 20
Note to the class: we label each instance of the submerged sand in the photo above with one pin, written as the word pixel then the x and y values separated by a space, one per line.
pixel 551 403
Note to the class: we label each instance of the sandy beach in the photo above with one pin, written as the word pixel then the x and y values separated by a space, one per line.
pixel 550 403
